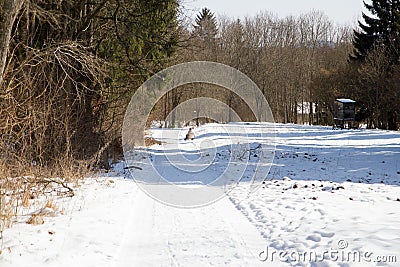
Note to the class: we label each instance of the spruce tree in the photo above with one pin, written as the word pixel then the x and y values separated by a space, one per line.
pixel 206 25
pixel 382 28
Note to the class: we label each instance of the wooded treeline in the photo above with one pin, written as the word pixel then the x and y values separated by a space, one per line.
pixel 283 56
pixel 69 68
pixel 302 64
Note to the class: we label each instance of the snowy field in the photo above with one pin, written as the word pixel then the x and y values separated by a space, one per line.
pixel 331 198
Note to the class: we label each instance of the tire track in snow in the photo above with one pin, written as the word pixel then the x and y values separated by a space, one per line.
pixel 160 235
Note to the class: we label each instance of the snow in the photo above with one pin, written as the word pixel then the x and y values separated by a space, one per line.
pixel 331 198
pixel 345 100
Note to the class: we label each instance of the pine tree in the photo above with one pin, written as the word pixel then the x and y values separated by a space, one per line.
pixel 206 25
pixel 380 29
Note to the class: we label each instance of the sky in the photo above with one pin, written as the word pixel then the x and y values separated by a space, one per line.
pixel 339 11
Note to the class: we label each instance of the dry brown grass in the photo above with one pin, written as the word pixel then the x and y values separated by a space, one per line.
pixel 33 191
pixel 149 141
pixel 35 219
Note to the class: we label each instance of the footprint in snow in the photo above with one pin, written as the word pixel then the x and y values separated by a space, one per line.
pixel 314 238
pixel 328 235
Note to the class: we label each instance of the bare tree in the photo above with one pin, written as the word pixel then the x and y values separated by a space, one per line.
pixel 9 10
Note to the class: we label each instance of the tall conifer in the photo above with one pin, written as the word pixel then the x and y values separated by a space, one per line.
pixel 381 28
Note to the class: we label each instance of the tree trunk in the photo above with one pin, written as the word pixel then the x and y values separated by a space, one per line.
pixel 9 10
pixel 311 114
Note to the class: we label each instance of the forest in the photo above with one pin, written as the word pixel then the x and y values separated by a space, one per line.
pixel 68 69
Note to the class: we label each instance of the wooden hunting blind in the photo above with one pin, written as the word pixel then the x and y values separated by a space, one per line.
pixel 344 112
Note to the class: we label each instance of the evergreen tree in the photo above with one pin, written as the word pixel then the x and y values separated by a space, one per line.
pixel 142 37
pixel 206 25
pixel 377 48
pixel 380 29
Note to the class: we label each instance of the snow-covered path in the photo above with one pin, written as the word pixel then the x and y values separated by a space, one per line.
pixel 215 235
pixel 115 224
